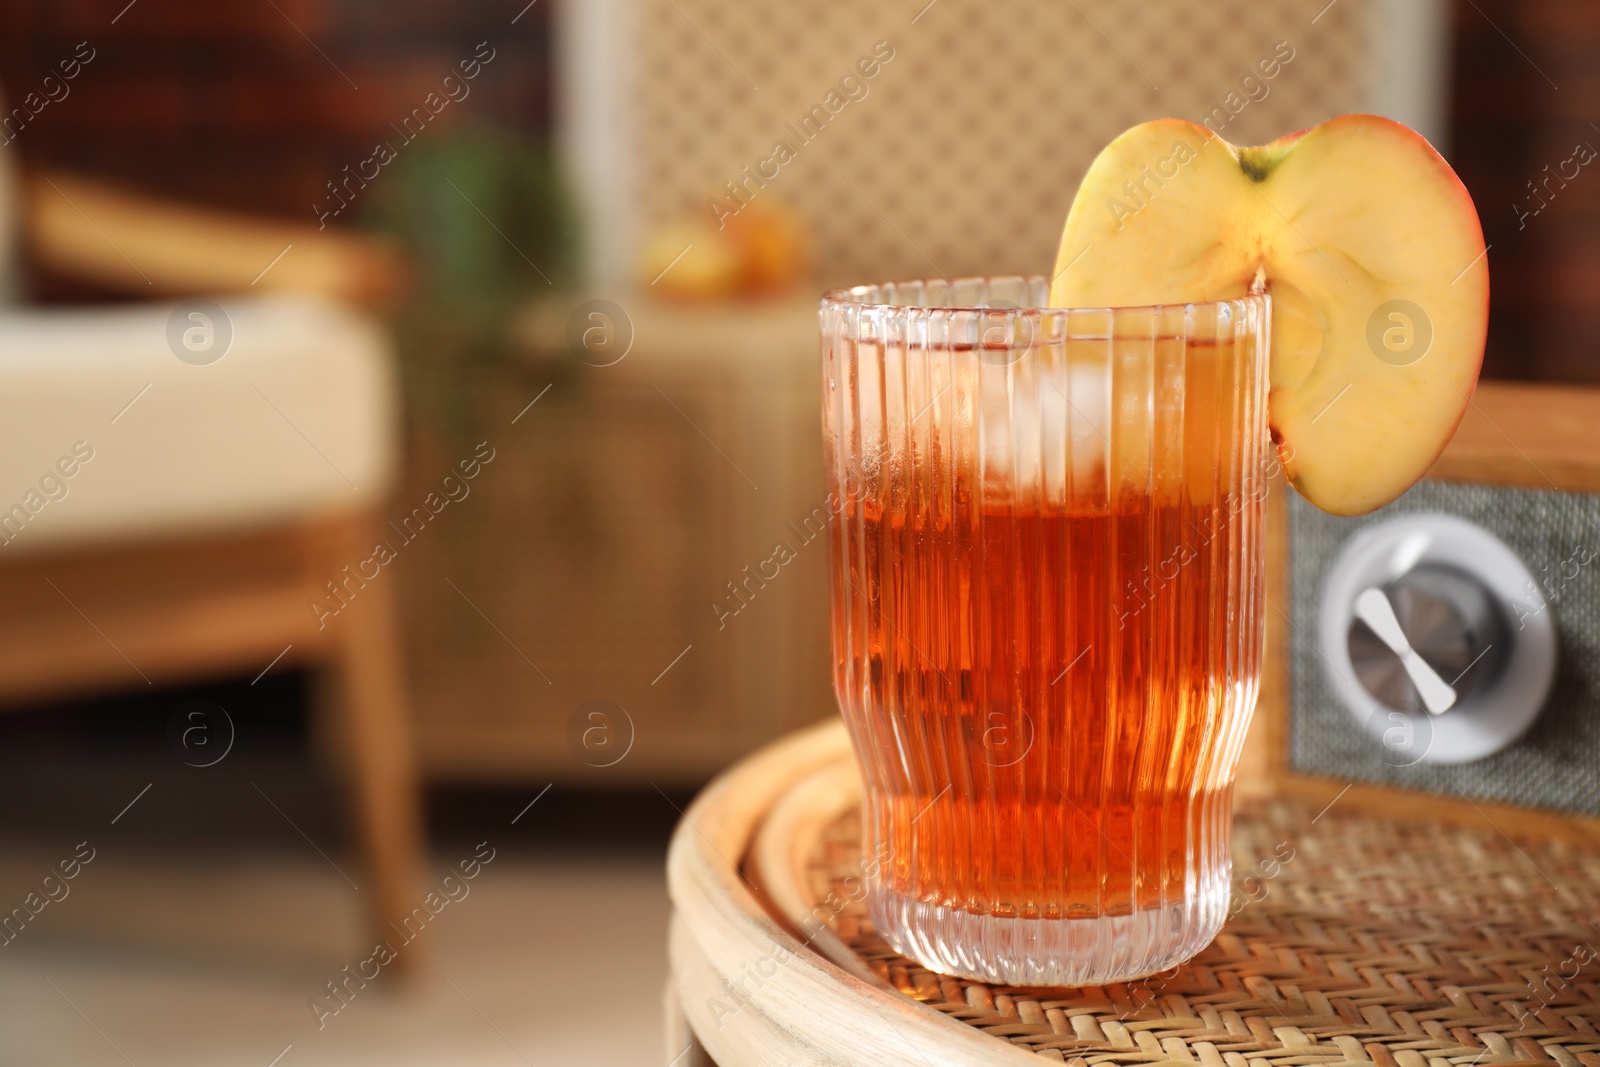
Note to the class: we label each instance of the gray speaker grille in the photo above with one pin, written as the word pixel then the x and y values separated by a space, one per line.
pixel 1556 765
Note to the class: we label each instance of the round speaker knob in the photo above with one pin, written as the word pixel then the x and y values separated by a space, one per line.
pixel 1426 640
pixel 1434 637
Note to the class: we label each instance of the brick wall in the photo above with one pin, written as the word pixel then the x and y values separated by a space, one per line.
pixel 256 104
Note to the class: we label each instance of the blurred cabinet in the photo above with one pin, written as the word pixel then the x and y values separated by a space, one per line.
pixel 572 617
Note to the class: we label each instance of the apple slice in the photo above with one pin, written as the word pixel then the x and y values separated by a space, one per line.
pixel 1371 249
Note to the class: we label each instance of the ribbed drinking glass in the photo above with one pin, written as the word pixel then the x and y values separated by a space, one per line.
pixel 1047 616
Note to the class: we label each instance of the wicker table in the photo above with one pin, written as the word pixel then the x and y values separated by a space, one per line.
pixel 1352 940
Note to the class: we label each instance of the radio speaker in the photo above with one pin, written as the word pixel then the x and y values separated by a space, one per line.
pixel 1441 656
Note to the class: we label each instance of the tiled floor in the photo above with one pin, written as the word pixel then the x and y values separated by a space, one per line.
pixel 176 958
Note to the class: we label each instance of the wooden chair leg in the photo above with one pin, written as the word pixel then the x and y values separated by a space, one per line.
pixel 374 746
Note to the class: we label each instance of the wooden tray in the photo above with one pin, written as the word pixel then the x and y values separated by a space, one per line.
pixel 1356 939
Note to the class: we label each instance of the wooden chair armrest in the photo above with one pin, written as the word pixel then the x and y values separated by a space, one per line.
pixel 94 231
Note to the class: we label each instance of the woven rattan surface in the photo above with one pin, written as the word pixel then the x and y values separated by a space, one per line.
pixel 1354 939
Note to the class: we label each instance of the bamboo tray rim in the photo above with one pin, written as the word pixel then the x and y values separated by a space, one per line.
pixel 1326 975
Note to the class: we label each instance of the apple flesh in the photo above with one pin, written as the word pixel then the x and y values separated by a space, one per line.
pixel 1370 248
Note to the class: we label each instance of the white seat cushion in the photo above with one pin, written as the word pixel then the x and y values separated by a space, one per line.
pixel 297 419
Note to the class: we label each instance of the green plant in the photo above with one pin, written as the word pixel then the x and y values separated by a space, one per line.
pixel 487 223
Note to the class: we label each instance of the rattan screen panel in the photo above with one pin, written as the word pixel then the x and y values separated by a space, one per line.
pixel 967 146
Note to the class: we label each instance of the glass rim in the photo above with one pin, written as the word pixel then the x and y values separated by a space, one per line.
pixel 854 297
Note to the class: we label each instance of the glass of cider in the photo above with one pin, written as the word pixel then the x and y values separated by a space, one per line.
pixel 1047 616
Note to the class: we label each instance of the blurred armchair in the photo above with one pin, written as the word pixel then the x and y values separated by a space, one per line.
pixel 181 485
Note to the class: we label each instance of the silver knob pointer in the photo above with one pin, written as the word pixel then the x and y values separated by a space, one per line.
pixel 1373 608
